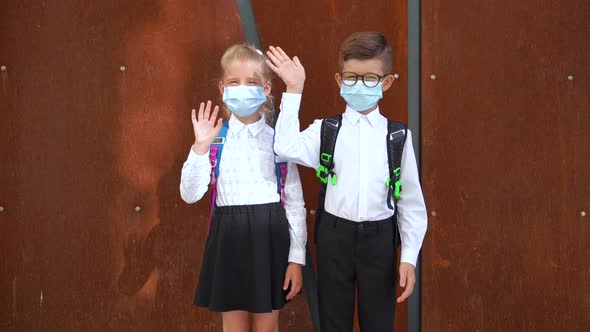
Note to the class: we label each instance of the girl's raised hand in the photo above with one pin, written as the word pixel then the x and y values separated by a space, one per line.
pixel 205 128
pixel 291 71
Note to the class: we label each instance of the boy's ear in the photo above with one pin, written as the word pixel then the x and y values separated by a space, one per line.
pixel 387 82
pixel 338 80
pixel 267 88
pixel 220 85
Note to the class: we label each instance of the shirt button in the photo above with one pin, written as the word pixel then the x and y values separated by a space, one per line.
pixel 362 219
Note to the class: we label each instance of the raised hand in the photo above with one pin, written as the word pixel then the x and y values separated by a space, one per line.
pixel 290 71
pixel 205 128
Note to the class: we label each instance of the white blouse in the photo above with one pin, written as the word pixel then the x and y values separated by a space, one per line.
pixel 247 176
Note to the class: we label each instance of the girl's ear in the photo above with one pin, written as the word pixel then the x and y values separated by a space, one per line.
pixel 267 88
pixel 338 80
pixel 387 82
pixel 221 87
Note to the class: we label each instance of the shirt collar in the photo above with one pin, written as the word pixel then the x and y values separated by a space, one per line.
pixel 254 128
pixel 354 116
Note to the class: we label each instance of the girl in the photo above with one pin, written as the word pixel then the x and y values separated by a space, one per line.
pixel 255 249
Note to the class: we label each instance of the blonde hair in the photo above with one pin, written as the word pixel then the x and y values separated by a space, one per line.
pixel 247 52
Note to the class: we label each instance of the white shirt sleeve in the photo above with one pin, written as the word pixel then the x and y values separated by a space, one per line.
pixel 195 177
pixel 300 147
pixel 296 215
pixel 411 215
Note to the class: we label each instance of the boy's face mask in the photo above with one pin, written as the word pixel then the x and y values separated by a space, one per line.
pixel 360 97
pixel 243 100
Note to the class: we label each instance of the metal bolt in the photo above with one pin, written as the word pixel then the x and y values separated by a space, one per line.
pixel 123 68
pixel 137 209
pixel 312 212
pixel 571 77
pixel 432 77
pixel 1 209
pixel 583 213
pixel 433 213
pixel 396 76
pixel 3 68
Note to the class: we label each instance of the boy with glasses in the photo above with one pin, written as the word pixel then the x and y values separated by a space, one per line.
pixel 356 234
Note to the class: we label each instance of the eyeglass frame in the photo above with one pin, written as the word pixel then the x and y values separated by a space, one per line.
pixel 356 78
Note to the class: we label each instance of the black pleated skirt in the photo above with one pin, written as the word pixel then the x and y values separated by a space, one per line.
pixel 245 260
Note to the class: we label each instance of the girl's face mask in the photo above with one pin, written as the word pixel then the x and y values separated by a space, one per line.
pixel 243 100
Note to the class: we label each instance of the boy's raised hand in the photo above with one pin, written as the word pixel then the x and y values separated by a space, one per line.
pixel 205 128
pixel 291 71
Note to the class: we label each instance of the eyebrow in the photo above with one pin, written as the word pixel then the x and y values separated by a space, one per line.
pixel 254 78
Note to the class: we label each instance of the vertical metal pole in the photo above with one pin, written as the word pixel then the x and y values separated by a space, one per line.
pixel 248 21
pixel 414 56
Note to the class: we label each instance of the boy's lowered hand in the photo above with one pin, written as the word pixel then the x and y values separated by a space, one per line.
pixel 290 71
pixel 407 280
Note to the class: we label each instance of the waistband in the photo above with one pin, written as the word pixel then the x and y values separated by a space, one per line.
pixel 326 216
pixel 248 209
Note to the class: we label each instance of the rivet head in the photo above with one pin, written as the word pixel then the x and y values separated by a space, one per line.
pixel 570 77
pixel 123 68
pixel 137 208
pixel 396 76
pixel 3 68
pixel 433 213
pixel 1 209
pixel 583 213
pixel 312 212
pixel 432 77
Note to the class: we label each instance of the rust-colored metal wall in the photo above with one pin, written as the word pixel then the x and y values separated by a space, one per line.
pixel 506 165
pixel 95 121
pixel 313 30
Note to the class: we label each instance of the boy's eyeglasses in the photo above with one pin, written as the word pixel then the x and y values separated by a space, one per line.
pixel 370 80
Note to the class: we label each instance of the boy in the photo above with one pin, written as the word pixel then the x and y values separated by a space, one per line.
pixel 356 232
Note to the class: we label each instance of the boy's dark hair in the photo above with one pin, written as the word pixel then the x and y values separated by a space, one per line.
pixel 365 46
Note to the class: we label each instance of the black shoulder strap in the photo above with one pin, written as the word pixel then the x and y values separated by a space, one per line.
pixel 328 136
pixel 396 139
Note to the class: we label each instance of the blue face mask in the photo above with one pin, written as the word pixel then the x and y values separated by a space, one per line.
pixel 243 100
pixel 361 98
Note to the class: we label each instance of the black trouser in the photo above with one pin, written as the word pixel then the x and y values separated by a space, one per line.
pixel 356 255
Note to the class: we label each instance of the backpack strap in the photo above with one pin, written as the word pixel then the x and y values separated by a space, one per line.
pixel 281 171
pixel 328 136
pixel 214 158
pixel 396 139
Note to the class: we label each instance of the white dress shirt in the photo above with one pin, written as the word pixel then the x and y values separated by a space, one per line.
pixel 361 167
pixel 247 176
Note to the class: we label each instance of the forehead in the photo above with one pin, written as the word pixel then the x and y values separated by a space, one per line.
pixel 243 69
pixel 360 67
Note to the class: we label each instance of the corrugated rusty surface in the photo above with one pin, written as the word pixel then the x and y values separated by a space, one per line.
pixel 83 143
pixel 506 165
pixel 313 30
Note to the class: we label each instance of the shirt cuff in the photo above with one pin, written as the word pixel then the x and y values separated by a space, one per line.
pixel 194 158
pixel 291 102
pixel 409 256
pixel 297 255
